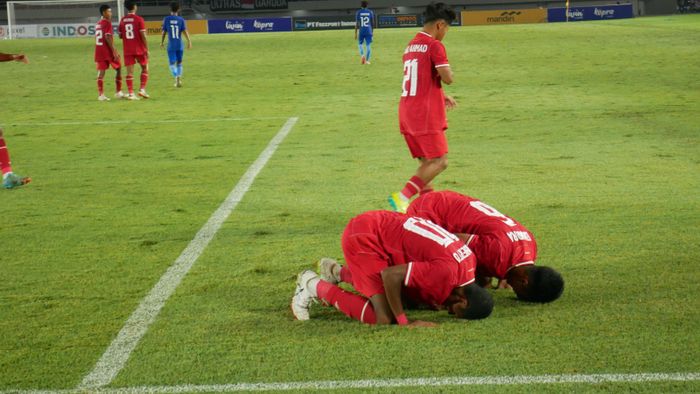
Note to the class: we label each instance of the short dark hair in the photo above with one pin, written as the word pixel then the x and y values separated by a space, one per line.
pixel 480 302
pixel 364 4
pixel 544 284
pixel 103 8
pixel 130 4
pixel 174 6
pixel 436 11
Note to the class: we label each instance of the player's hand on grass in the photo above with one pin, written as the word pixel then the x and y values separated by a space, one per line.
pixel 503 284
pixel 421 323
pixel 450 102
pixel 21 58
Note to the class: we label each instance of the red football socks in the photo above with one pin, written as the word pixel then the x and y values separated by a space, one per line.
pixel 100 85
pixel 130 83
pixel 426 190
pixel 345 275
pixel 144 80
pixel 5 165
pixel 351 304
pixel 413 187
pixel 118 83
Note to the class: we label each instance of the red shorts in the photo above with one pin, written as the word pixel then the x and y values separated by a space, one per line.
pixel 427 146
pixel 130 60
pixel 364 258
pixel 105 64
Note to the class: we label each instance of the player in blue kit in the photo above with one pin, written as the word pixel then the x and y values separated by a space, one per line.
pixel 174 27
pixel 364 19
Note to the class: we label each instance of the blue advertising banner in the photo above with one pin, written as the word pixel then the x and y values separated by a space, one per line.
pixel 249 25
pixel 591 13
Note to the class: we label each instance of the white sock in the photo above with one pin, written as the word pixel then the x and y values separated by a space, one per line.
pixel 5 175
pixel 311 285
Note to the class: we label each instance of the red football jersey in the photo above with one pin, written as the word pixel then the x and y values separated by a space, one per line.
pixel 130 29
pixel 437 260
pixel 422 105
pixel 500 242
pixel 102 30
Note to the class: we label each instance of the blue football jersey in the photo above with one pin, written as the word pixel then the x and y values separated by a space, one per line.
pixel 364 17
pixel 173 26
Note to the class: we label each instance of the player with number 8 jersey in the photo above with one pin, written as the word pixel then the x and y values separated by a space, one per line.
pixel 132 30
pixel 422 118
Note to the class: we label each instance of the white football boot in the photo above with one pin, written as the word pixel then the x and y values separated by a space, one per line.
pixel 102 97
pixel 119 95
pixel 143 93
pixel 303 295
pixel 329 270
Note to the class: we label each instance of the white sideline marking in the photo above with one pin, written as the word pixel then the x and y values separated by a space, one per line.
pixel 117 354
pixel 388 383
pixel 98 122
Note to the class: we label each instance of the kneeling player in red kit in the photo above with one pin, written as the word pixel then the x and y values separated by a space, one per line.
pixel 392 258
pixel 504 248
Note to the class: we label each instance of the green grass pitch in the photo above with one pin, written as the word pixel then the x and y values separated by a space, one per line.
pixel 586 132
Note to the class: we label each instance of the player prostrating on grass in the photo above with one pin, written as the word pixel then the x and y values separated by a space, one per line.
pixel 364 18
pixel 174 27
pixel 422 118
pixel 390 256
pixel 504 248
pixel 106 55
pixel 10 180
pixel 132 30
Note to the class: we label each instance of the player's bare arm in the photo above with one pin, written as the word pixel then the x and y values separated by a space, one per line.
pixel 187 36
pixel 109 40
pixel 446 74
pixel 9 57
pixel 143 38
pixel 392 279
pixel 162 39
pixel 382 309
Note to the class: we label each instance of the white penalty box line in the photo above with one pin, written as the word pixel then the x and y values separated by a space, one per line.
pixel 387 383
pixel 117 354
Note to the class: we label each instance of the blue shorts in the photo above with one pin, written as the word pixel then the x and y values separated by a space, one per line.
pixel 364 37
pixel 175 56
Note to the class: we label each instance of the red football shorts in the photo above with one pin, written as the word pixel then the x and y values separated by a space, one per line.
pixel 364 259
pixel 105 64
pixel 130 60
pixel 427 146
